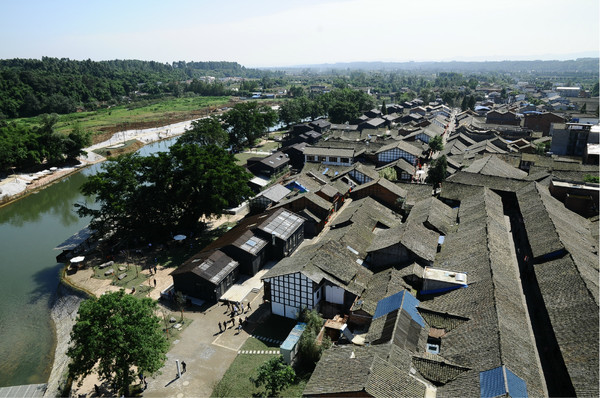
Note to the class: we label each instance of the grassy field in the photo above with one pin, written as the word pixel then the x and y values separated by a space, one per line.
pixel 236 381
pixel 141 114
pixel 242 158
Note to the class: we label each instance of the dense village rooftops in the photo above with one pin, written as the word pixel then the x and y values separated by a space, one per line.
pixel 379 371
pixel 491 303
pixel 275 193
pixel 382 284
pixel 493 166
pixel 250 243
pixel 344 127
pixel 309 196
pixel 212 266
pixel 434 214
pixel 376 122
pixel 385 183
pixel 414 236
pixel 403 146
pixel 281 223
pixel 321 151
pixel 330 260
pixel 553 231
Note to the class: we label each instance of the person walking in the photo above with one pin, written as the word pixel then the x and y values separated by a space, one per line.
pixel 220 327
pixel 184 366
pixel 249 309
pixel 242 307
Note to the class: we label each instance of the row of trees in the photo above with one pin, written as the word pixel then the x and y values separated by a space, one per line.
pixel 340 105
pixel 29 87
pixel 24 147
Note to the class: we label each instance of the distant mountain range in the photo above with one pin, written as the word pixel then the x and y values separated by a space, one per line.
pixel 580 65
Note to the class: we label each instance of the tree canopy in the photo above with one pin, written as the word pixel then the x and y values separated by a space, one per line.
pixel 117 332
pixel 207 131
pixel 29 87
pixel 247 122
pixel 176 188
pixel 275 375
pixel 436 143
pixel 437 171
pixel 309 350
pixel 23 146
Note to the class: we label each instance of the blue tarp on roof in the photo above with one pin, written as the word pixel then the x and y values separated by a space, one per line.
pixel 295 185
pixel 516 386
pixel 494 382
pixel 389 304
pixel 401 300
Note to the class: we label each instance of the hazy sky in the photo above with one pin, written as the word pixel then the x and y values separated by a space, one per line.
pixel 293 32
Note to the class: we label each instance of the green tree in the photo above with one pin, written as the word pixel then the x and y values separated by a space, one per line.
pixel 247 122
pixel 436 144
pixel 341 112
pixel 471 102
pixel 383 108
pixel 583 108
pixel 117 332
pixel 289 112
pixel 309 350
pixel 437 171
pixel 275 375
pixel 207 131
pixel 595 90
pixel 180 301
pixel 176 188
pixel 464 104
pixel 296 91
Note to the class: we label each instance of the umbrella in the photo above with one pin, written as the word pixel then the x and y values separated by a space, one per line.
pixel 179 237
pixel 77 259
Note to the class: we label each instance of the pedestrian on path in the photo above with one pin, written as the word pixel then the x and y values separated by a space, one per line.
pixel 220 327
pixel 249 309
pixel 242 306
pixel 184 366
pixel 145 383
pixel 154 282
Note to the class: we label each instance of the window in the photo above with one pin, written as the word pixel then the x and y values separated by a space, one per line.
pixel 343 160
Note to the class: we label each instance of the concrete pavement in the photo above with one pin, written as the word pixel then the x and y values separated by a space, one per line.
pixel 207 352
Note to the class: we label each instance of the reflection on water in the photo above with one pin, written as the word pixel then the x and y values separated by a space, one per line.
pixel 30 229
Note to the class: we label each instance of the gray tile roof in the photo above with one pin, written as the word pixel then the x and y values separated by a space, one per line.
pixel 492 302
pixel 436 369
pixel 573 313
pixel 275 193
pixel 493 182
pixel 415 237
pixel 493 166
pixel 551 227
pixel 321 151
pixel 402 145
pixel 379 371
pixel 434 214
pixel 384 183
pixel 381 285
